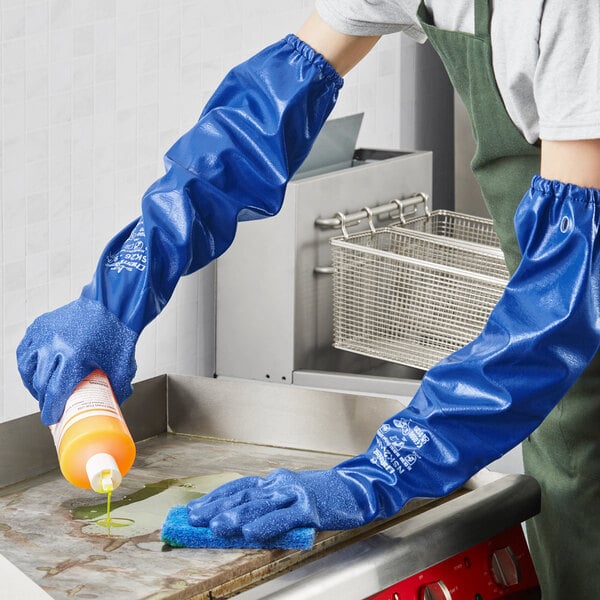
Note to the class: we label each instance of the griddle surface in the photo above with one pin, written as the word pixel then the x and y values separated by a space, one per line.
pixel 70 559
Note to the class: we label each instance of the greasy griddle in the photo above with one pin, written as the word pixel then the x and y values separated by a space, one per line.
pixel 70 560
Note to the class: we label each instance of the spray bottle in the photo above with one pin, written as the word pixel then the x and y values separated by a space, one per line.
pixel 94 446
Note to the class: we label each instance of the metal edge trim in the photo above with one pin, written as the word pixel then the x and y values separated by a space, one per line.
pixel 377 562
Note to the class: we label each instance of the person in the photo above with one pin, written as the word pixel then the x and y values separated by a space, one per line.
pixel 528 75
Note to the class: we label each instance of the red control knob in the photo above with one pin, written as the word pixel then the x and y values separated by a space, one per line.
pixel 505 567
pixel 435 591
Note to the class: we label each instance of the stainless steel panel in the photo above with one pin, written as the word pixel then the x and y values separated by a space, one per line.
pixel 26 449
pixel 385 383
pixel 276 414
pixel 146 410
pixel 274 314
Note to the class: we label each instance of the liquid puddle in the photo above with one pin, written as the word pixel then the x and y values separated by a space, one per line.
pixel 109 521
pixel 144 511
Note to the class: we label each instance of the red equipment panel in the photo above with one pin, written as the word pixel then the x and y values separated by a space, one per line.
pixel 499 568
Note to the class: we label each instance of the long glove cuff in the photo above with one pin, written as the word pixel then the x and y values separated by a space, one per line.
pixel 233 165
pixel 484 399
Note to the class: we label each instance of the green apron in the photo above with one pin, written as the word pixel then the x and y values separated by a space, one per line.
pixel 563 454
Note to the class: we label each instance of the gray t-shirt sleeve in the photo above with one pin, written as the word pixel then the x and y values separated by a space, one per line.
pixel 371 17
pixel 546 54
pixel 566 82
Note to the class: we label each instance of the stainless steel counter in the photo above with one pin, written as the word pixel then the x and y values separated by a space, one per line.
pixel 220 429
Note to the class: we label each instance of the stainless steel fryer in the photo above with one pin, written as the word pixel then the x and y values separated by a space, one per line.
pixel 193 426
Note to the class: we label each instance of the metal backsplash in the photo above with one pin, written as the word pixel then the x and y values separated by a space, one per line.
pixel 229 409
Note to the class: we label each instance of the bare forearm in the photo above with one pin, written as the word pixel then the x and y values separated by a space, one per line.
pixel 575 162
pixel 342 51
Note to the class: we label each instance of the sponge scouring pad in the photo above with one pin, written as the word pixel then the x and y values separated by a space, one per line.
pixel 177 532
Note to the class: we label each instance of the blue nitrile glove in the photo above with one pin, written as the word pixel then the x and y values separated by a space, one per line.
pixel 62 347
pixel 472 407
pixel 233 165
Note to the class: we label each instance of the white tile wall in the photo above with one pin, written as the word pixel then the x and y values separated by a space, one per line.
pixel 92 92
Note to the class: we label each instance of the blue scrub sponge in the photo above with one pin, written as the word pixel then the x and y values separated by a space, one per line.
pixel 177 532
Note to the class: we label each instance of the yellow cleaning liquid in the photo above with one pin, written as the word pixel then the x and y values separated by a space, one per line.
pixel 94 446
pixel 106 522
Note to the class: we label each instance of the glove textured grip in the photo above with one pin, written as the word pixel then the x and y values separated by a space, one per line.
pixel 52 371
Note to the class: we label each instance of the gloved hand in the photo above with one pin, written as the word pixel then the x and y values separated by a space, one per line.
pixel 234 164
pixel 73 330
pixel 263 508
pixel 473 406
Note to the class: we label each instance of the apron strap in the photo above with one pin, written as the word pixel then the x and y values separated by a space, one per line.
pixel 482 18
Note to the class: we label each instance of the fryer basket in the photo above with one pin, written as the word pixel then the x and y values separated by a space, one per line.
pixel 412 297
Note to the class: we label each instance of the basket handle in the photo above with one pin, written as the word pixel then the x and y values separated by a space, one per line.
pixel 382 212
pixel 410 203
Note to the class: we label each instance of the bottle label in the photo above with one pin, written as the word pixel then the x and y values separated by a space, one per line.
pixel 92 397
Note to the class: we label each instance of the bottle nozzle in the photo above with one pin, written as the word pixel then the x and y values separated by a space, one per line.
pixel 103 473
pixel 106 482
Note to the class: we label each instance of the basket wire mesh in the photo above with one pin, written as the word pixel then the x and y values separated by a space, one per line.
pixel 453 225
pixel 411 297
